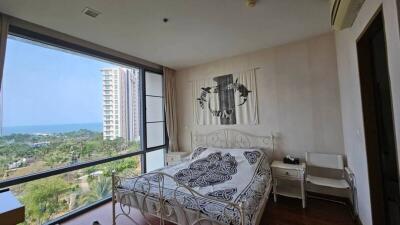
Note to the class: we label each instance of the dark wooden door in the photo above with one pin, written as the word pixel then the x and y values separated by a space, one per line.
pixel 378 124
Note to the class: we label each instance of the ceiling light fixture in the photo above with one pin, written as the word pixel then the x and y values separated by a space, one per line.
pixel 251 3
pixel 91 12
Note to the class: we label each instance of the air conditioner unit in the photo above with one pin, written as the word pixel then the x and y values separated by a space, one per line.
pixel 344 12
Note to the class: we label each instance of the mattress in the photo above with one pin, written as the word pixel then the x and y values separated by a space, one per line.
pixel 207 185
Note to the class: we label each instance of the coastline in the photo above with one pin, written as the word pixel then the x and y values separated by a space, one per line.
pixel 49 129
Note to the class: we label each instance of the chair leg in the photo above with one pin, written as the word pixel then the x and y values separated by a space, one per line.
pixel 303 193
pixel 353 202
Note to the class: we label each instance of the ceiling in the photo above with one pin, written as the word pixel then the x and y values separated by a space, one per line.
pixel 198 31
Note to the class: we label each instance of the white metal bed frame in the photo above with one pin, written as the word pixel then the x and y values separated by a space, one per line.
pixel 173 210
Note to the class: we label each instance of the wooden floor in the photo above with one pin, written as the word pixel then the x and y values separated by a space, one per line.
pixel 285 212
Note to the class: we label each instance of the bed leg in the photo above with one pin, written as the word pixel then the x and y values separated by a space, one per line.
pixel 241 213
pixel 113 197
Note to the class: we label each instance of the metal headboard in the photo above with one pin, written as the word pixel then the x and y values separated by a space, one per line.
pixel 230 138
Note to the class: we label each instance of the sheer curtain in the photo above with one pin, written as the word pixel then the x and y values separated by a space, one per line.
pixel 170 109
pixel 3 43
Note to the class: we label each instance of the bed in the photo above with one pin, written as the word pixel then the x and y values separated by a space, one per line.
pixel 226 180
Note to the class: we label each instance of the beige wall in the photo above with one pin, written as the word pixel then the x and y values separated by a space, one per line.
pixel 298 96
pixel 353 128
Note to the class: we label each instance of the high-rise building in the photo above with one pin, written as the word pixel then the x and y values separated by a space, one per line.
pixel 120 103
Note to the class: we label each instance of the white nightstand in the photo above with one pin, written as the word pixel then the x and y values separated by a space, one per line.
pixel 292 173
pixel 174 158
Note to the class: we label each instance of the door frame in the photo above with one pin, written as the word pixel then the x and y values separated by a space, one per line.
pixel 369 114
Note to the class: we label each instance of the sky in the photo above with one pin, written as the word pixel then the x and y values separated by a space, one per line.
pixel 44 86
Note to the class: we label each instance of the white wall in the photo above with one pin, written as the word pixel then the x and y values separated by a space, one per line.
pixel 298 96
pixel 350 95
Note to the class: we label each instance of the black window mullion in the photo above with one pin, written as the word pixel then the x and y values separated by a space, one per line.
pixel 156 121
pixel 152 149
pixel 143 124
pixel 166 140
pixel 61 170
pixel 155 96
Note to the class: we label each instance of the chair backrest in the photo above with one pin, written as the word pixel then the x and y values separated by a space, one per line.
pixel 330 161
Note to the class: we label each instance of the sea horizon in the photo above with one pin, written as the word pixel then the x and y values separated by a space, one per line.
pixel 51 129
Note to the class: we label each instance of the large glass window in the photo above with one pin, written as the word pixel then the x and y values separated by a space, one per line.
pixel 68 120
pixel 57 109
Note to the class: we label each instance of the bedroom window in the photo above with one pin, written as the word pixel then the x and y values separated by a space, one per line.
pixel 56 112
pixel 70 118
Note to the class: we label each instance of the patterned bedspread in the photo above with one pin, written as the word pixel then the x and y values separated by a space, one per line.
pixel 231 175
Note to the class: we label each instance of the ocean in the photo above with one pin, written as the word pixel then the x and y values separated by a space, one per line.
pixel 48 129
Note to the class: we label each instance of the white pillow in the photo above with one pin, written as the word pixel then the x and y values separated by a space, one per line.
pixel 198 152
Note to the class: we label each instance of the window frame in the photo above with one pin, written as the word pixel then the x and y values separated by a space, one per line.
pixel 144 122
pixel 73 46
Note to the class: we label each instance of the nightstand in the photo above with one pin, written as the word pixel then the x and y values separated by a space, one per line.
pixel 288 180
pixel 174 158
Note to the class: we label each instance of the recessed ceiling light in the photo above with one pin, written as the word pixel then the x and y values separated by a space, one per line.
pixel 91 12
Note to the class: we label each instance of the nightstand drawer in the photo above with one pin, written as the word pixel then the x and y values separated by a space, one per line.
pixel 279 172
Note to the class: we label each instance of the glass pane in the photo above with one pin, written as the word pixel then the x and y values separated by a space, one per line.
pixel 155 160
pixel 154 109
pixel 61 108
pixel 49 198
pixel 155 134
pixel 154 84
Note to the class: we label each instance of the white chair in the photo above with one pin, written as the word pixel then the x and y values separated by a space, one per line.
pixel 334 162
